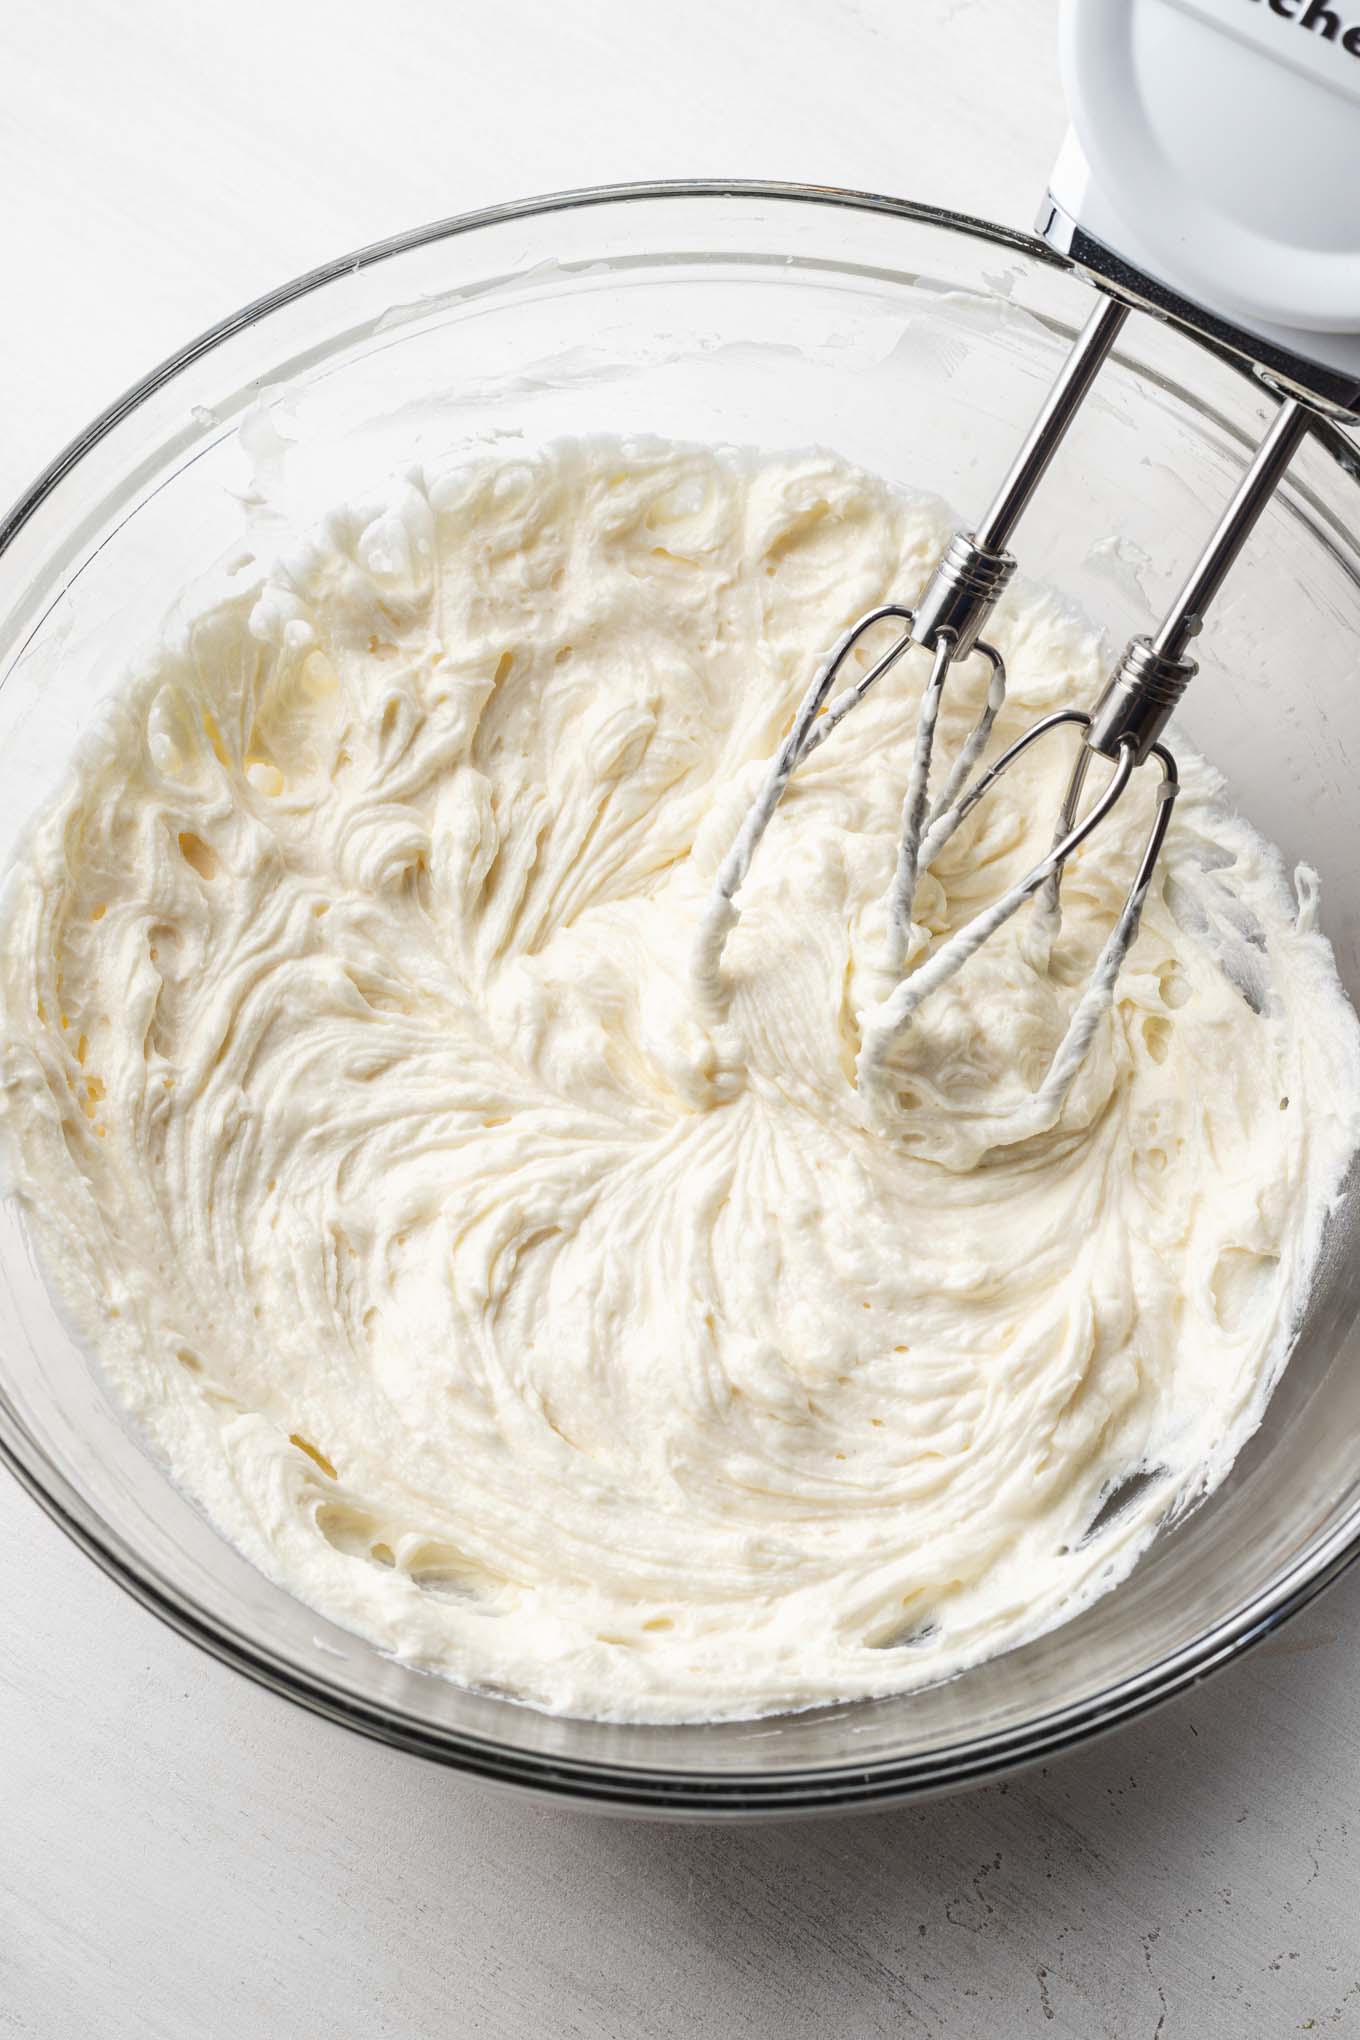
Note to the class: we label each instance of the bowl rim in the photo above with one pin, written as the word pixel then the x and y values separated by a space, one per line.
pixel 624 1787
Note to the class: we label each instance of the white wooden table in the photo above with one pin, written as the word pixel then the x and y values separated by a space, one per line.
pixel 183 1857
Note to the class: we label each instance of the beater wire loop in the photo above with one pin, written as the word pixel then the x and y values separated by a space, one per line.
pixel 917 810
pixel 816 718
pixel 886 1022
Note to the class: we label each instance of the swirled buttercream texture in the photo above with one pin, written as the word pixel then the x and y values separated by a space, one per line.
pixel 552 1326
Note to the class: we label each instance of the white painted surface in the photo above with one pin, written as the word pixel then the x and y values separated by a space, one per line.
pixel 183 1857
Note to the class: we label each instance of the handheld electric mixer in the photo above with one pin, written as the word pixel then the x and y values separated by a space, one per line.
pixel 1192 121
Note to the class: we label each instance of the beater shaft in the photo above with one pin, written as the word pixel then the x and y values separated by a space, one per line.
pixel 1153 673
pixel 1185 618
pixel 1061 405
pixel 975 567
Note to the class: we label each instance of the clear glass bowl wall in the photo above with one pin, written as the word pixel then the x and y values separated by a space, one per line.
pixel 914 343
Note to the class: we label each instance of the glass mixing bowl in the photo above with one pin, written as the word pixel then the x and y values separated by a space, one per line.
pixel 919 344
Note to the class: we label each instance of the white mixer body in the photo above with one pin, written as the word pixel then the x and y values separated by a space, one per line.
pixel 1212 172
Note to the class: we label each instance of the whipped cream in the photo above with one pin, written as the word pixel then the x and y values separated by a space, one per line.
pixel 540 1320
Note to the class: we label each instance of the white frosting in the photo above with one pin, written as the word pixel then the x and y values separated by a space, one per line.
pixel 542 1322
